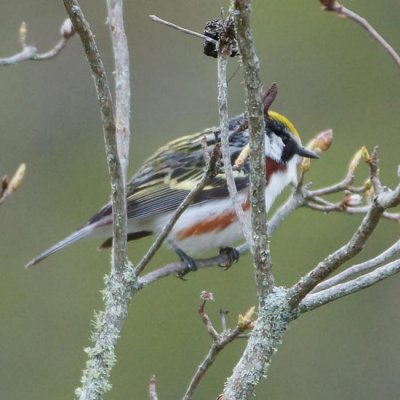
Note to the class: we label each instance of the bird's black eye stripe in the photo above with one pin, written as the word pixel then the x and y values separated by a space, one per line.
pixel 285 138
pixel 289 150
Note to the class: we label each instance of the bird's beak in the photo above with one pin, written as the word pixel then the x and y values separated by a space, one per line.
pixel 304 152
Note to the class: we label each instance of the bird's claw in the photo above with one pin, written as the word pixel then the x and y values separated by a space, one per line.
pixel 232 256
pixel 190 264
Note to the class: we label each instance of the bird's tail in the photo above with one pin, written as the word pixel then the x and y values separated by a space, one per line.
pixel 77 235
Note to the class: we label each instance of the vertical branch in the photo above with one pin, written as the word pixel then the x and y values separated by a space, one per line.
pixel 117 294
pixel 119 257
pixel 224 127
pixel 122 118
pixel 260 243
pixel 122 80
pixel 273 316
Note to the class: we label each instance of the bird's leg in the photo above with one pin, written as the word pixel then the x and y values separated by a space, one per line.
pixel 232 256
pixel 190 263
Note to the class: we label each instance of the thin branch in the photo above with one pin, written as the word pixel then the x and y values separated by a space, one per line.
pixel 326 208
pixel 338 207
pixel 176 267
pixel 312 301
pixel 331 5
pixel 358 268
pixel 223 53
pixel 30 53
pixel 207 176
pixel 122 88
pixel 122 133
pixel 345 184
pixel 181 29
pixel 335 188
pixel 119 257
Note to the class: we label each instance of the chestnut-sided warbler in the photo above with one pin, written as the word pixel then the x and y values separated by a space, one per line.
pixel 165 179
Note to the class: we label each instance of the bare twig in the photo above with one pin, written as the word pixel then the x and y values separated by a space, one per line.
pixel 338 207
pixel 337 187
pixel 331 5
pixel 122 133
pixel 153 388
pixel 176 267
pixel 224 129
pixel 30 53
pixel 9 187
pixel 315 300
pixel 122 88
pixel 207 176
pixel 184 30
pixel 109 128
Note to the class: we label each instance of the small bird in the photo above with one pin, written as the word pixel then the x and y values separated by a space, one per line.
pixel 165 179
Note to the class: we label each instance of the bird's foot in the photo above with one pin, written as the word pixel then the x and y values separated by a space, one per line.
pixel 190 263
pixel 232 256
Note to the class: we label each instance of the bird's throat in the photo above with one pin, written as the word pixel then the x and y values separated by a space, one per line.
pixel 272 166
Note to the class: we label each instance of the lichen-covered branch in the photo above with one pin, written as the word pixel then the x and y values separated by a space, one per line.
pixel 117 293
pixel 241 10
pixel 273 320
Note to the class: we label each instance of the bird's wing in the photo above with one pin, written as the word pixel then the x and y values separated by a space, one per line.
pixel 167 177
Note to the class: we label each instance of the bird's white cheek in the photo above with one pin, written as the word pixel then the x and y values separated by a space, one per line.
pixel 273 147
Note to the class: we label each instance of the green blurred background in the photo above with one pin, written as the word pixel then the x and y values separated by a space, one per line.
pixel 330 75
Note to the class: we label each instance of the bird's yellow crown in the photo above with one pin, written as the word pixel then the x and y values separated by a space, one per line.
pixel 283 120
